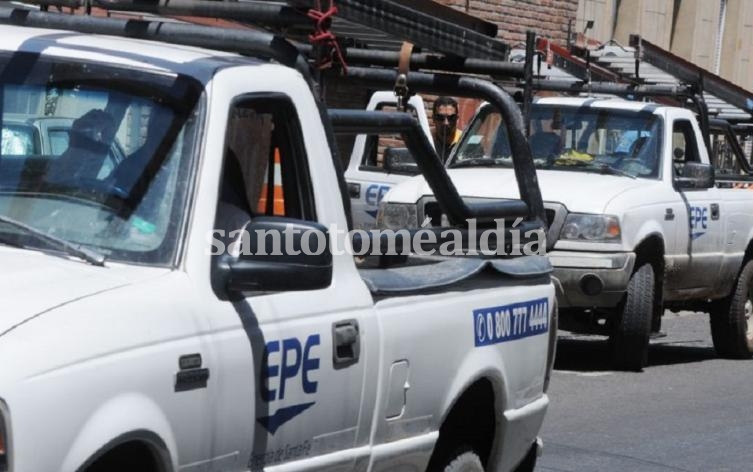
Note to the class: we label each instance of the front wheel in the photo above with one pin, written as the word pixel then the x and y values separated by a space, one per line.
pixel 630 334
pixel 731 323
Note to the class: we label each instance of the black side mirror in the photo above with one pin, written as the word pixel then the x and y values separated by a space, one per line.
pixel 277 255
pixel 400 161
pixel 695 175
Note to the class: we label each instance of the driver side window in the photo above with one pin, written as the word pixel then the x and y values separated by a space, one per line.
pixel 265 170
pixel 684 145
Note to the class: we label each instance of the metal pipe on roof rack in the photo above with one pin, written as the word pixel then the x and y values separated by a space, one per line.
pixel 56 3
pixel 458 211
pixel 614 88
pixel 447 84
pixel 496 69
pixel 251 11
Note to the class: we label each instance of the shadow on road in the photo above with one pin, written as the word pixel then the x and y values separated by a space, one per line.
pixel 592 355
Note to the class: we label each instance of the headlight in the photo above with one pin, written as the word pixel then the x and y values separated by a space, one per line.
pixel 397 216
pixel 4 438
pixel 596 228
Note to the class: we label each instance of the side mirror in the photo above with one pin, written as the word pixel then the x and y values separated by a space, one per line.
pixel 695 175
pixel 400 161
pixel 277 255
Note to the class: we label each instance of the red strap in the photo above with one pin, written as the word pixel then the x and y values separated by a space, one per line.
pixel 324 36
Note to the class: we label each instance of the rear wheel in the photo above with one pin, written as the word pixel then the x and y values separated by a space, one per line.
pixel 731 322
pixel 630 333
pixel 467 461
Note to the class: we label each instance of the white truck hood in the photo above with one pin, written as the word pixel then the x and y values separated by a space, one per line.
pixel 579 191
pixel 32 283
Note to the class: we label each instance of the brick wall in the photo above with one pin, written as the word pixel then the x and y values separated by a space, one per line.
pixel 548 18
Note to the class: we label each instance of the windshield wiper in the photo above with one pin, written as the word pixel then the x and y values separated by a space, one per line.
pixel 76 250
pixel 607 169
pixel 475 162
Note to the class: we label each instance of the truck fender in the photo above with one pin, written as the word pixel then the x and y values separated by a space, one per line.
pixel 647 229
pixel 125 417
pixel 480 365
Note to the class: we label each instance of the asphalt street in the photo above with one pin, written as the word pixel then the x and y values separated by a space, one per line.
pixel 687 411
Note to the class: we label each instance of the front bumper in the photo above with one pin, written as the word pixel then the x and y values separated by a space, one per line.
pixel 591 279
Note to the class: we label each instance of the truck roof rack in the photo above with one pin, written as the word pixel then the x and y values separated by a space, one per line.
pixel 645 69
pixel 383 24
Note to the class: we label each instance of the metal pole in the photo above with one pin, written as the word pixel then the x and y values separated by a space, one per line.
pixel 528 80
pixel 251 11
pixel 369 57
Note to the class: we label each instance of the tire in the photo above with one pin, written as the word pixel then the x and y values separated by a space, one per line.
pixel 467 461
pixel 731 321
pixel 630 334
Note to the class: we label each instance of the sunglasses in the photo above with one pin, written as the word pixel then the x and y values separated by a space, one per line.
pixel 439 118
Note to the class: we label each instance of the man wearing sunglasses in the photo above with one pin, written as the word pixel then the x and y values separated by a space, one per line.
pixel 446 132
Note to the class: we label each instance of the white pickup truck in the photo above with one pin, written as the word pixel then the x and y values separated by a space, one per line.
pixel 128 343
pixel 636 222
pixel 369 175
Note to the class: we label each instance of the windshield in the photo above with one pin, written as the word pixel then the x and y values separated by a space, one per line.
pixel 95 155
pixel 584 139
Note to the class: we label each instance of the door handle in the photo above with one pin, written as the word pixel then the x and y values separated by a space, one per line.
pixel 669 215
pixel 346 340
pixel 714 211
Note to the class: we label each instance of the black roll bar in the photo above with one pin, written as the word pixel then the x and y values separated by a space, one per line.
pixel 457 211
pixel 447 84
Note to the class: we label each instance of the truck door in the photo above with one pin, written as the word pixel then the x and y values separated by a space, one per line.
pixel 700 231
pixel 291 363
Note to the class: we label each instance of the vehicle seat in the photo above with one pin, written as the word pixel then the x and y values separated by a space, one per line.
pixel 233 209
pixel 637 146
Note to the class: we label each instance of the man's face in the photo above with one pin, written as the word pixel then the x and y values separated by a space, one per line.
pixel 445 122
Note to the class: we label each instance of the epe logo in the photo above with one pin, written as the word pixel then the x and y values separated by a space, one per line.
pixel 374 195
pixel 286 361
pixel 699 221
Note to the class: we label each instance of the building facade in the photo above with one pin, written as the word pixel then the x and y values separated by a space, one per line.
pixel 713 34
